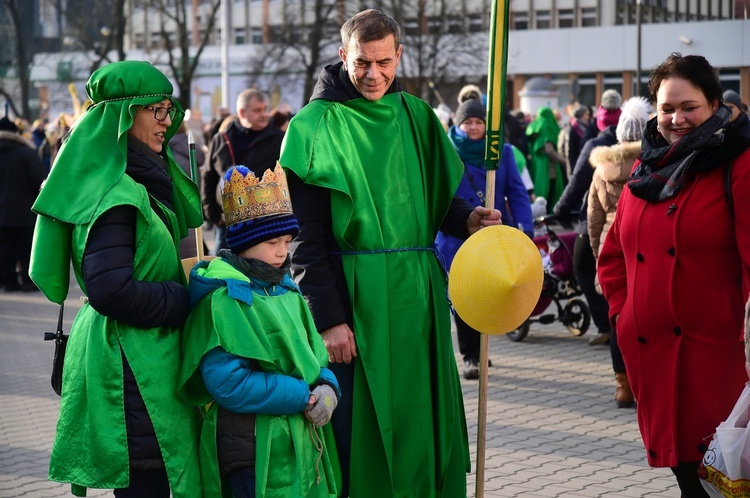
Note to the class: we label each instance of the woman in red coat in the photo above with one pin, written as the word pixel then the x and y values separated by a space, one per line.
pixel 675 268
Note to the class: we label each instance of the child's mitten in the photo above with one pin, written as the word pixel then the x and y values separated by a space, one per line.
pixel 325 403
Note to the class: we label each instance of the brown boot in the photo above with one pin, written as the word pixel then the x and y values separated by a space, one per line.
pixel 623 394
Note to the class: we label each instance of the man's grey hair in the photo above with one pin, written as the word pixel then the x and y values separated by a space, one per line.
pixel 249 94
pixel 369 25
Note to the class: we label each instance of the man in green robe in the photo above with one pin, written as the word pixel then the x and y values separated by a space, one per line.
pixel 373 178
pixel 116 205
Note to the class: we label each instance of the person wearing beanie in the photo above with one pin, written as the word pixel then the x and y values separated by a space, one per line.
pixel 115 206
pixel 607 114
pixel 739 117
pixel 511 198
pixel 252 353
pixel 575 198
pixel 570 139
pixel 20 178
pixel 612 166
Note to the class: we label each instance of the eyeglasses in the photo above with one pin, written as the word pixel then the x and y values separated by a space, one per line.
pixel 160 113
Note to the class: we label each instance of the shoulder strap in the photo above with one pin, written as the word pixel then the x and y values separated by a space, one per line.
pixel 229 146
pixel 728 187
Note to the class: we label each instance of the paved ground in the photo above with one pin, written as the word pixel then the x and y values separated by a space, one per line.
pixel 553 429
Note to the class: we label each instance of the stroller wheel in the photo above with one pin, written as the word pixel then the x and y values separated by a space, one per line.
pixel 576 317
pixel 520 333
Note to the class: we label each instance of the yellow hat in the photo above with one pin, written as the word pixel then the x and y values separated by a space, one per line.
pixel 496 279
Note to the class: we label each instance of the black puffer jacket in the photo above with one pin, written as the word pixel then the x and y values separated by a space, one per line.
pixel 257 150
pixel 112 291
pixel 21 175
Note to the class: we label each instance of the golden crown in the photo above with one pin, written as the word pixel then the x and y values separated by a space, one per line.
pixel 245 197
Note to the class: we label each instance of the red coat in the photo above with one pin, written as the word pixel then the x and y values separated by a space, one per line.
pixel 678 274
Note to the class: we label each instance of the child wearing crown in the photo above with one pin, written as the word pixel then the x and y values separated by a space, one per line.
pixel 253 359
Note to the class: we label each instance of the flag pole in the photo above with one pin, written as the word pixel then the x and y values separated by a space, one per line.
pixel 496 73
pixel 196 179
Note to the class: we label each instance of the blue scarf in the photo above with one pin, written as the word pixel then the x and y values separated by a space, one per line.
pixel 470 151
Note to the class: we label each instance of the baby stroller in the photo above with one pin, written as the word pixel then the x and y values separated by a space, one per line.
pixel 559 284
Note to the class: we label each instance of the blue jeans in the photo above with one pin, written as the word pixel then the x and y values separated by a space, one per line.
pixel 242 482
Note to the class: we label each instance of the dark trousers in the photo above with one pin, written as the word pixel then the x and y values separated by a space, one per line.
pixel 145 484
pixel 618 365
pixel 341 422
pixel 468 340
pixel 242 482
pixel 687 477
pixel 15 247
pixel 584 268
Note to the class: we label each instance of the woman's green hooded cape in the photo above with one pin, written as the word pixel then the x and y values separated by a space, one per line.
pixel 87 179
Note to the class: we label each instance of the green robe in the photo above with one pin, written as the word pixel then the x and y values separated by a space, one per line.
pixel 392 173
pixel 540 131
pixel 88 178
pixel 83 453
pixel 277 331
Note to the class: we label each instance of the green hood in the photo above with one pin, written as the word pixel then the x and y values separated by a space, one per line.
pixel 94 156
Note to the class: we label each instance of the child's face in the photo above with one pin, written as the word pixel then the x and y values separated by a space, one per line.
pixel 271 251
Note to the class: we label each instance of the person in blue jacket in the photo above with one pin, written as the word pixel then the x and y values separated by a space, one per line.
pixel 511 199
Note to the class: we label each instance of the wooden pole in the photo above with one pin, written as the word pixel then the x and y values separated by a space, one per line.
pixel 484 347
pixel 496 74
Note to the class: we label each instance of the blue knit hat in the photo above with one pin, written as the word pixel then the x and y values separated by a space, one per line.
pixel 256 210
pixel 252 232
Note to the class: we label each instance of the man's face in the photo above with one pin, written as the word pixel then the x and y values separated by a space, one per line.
pixel 372 65
pixel 255 115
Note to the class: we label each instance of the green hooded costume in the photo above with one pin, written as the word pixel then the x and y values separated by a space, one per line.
pixel 540 131
pixel 273 326
pixel 87 179
pixel 392 173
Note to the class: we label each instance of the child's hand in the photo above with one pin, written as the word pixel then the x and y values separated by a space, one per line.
pixel 322 410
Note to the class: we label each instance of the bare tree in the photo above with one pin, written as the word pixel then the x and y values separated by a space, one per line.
pixel 22 53
pixel 440 44
pixel 99 32
pixel 181 62
pixel 304 42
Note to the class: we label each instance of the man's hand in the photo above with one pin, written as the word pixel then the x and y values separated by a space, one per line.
pixel 339 341
pixel 482 217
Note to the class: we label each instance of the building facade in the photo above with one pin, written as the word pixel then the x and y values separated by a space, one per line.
pixel 582 46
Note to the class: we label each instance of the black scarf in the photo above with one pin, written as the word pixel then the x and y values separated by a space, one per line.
pixel 257 269
pixel 661 173
pixel 150 170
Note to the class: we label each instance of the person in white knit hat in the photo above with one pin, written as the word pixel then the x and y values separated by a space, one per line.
pixel 612 166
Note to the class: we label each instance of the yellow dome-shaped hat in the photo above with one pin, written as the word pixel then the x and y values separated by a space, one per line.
pixel 496 279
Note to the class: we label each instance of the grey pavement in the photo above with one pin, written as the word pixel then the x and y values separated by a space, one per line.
pixel 553 429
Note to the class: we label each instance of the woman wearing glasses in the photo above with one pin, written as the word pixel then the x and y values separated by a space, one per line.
pixel 116 204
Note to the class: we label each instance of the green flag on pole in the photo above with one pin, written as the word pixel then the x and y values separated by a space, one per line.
pixel 496 72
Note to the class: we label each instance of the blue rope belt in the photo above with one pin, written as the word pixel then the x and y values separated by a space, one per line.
pixel 434 249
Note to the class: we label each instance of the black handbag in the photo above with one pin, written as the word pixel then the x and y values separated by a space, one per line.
pixel 61 342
